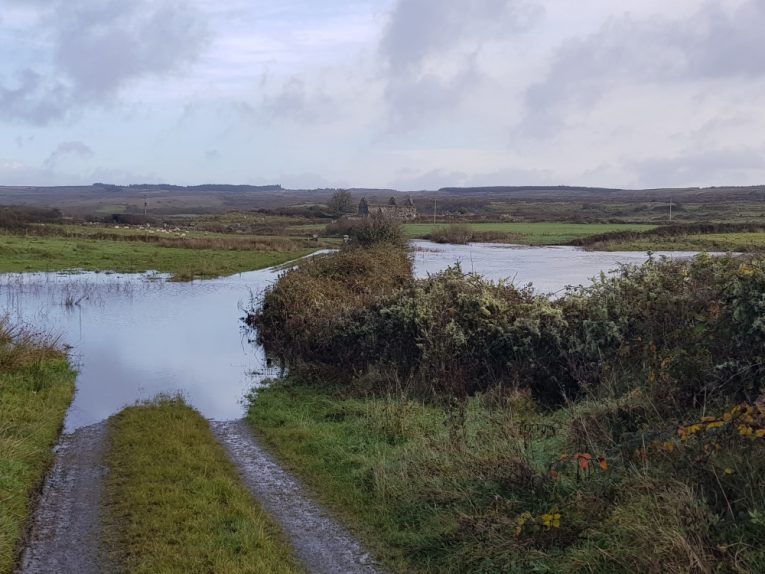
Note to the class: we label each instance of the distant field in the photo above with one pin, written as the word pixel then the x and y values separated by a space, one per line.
pixel 535 233
pixel 18 254
pixel 745 242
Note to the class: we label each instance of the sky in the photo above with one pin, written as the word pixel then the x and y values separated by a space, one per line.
pixel 410 94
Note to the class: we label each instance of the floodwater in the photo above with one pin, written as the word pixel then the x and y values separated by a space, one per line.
pixel 133 337
pixel 549 269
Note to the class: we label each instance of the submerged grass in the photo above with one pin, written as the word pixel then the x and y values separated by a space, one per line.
pixel 36 388
pixel 19 254
pixel 175 503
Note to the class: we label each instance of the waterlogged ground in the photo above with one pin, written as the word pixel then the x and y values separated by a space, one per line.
pixel 133 337
pixel 136 336
pixel 549 269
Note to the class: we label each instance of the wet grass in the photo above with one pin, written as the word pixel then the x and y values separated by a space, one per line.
pixel 20 254
pixel 723 242
pixel 175 503
pixel 495 488
pixel 36 388
pixel 531 233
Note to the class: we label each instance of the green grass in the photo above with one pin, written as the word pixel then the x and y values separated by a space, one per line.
pixel 20 254
pixel 534 233
pixel 431 490
pixel 736 242
pixel 175 503
pixel 36 388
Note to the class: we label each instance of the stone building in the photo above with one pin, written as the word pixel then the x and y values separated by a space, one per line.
pixel 406 212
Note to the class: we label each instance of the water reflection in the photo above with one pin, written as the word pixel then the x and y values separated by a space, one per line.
pixel 550 269
pixel 135 336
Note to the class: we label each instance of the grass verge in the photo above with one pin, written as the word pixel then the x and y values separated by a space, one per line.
pixel 505 487
pixel 720 242
pixel 36 388
pixel 174 502
pixel 530 233
pixel 21 254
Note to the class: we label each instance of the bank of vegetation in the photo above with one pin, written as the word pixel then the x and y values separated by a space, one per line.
pixel 175 503
pixel 721 237
pixel 36 388
pixel 23 254
pixel 469 426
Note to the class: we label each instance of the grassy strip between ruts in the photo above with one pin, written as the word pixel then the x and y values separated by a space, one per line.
pixel 36 388
pixel 175 503
pixel 21 254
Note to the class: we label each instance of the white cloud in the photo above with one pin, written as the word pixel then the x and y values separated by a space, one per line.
pixel 96 48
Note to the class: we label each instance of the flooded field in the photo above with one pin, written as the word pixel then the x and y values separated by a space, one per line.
pixel 549 269
pixel 135 336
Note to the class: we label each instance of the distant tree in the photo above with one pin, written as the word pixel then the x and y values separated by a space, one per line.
pixel 409 202
pixel 392 201
pixel 341 202
pixel 363 207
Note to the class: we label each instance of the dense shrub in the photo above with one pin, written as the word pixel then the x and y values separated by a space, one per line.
pixel 303 312
pixel 15 217
pixel 690 332
pixel 368 231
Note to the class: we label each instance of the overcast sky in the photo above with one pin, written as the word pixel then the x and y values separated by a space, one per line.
pixel 413 94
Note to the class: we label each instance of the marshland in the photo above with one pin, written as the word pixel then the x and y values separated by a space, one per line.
pixel 455 407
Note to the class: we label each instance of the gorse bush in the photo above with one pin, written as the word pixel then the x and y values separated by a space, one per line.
pixel 690 332
pixel 302 314
pixel 618 428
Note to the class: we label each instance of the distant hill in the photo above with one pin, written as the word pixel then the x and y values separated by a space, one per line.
pixel 168 199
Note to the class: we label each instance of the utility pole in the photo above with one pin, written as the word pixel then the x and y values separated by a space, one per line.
pixel 145 203
pixel 434 211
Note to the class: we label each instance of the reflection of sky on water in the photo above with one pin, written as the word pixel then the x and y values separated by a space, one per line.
pixel 133 337
pixel 133 343
pixel 550 269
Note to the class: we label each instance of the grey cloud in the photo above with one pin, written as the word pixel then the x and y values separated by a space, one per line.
pixel 412 97
pixel 296 102
pixel 423 34
pixel 419 28
pixel 712 44
pixel 97 47
pixel 435 179
pixel 64 149
pixel 701 167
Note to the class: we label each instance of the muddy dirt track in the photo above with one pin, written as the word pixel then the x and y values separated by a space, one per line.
pixel 320 543
pixel 65 535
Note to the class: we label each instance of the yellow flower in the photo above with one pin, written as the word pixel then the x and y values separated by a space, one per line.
pixel 551 520
pixel 745 431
